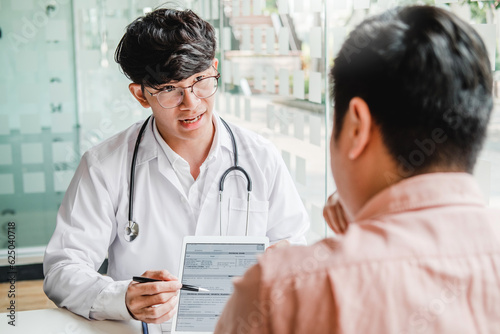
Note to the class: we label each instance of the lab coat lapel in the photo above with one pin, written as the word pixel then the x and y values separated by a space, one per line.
pixel 165 169
pixel 150 149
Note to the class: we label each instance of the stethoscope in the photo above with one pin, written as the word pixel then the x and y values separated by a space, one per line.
pixel 132 229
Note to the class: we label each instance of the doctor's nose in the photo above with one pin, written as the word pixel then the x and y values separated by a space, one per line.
pixel 189 101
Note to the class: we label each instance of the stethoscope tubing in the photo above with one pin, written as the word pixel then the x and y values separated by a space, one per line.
pixel 132 171
pixel 134 227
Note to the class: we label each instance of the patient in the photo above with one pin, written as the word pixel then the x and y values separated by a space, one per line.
pixel 418 250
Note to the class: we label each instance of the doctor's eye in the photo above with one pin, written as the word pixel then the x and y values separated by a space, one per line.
pixel 168 89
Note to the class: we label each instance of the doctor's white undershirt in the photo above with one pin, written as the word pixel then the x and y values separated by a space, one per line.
pixel 110 303
pixel 192 188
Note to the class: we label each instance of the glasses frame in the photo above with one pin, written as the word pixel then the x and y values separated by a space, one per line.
pixel 217 77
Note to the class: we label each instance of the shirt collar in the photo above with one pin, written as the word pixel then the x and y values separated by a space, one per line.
pixel 221 139
pixel 424 191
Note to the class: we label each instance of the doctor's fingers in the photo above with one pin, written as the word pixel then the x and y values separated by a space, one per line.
pixel 159 312
pixel 165 317
pixel 138 305
pixel 160 274
pixel 154 288
pixel 136 302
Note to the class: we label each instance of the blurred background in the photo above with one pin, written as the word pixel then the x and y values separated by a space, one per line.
pixel 61 92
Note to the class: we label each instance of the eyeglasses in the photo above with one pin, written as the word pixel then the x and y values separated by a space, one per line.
pixel 171 97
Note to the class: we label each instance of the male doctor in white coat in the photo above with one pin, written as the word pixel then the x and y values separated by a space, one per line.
pixel 170 57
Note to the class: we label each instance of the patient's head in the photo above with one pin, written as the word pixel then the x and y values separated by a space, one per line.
pixel 412 92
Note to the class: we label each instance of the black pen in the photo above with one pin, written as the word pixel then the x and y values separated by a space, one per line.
pixel 187 287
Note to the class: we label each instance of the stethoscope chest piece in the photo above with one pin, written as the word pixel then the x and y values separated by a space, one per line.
pixel 131 231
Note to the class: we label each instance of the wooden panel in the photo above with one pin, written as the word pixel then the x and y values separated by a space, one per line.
pixel 29 296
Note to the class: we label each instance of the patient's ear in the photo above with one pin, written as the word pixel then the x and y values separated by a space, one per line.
pixel 137 92
pixel 359 126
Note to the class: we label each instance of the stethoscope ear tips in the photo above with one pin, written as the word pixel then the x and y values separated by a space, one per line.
pixel 131 231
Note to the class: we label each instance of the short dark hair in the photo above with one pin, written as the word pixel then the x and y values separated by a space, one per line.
pixel 166 45
pixel 420 69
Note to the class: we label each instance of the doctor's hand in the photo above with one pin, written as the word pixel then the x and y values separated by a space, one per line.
pixel 153 302
pixel 334 214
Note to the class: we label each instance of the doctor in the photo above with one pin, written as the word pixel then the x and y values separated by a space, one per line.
pixel 182 154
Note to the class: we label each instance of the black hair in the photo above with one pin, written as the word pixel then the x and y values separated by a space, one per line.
pixel 422 72
pixel 166 45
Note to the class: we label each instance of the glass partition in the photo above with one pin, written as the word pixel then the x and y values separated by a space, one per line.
pixel 61 91
pixel 273 66
pixel 38 117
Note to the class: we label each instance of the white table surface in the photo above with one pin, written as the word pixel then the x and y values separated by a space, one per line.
pixel 62 321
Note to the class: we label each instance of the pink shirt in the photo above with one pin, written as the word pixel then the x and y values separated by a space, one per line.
pixel 423 256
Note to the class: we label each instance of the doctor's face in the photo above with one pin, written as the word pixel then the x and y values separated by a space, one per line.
pixel 183 109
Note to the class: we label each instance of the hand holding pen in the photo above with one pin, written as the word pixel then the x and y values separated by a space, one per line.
pixel 187 287
pixel 153 302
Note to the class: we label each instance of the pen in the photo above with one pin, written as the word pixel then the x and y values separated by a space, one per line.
pixel 187 287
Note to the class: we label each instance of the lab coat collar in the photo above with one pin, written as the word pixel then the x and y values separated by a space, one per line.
pixel 148 149
pixel 149 145
pixel 179 162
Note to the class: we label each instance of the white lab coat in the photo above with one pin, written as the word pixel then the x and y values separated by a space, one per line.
pixel 93 215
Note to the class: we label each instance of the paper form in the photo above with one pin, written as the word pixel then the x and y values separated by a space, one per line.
pixel 211 266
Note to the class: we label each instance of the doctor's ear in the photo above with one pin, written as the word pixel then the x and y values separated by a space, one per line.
pixel 139 94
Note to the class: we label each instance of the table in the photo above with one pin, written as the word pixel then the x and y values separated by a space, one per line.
pixel 62 321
